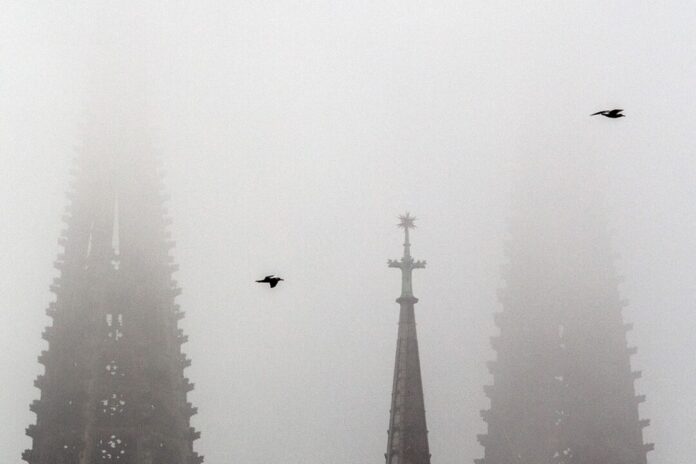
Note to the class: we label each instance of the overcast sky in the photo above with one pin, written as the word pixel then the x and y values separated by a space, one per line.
pixel 293 134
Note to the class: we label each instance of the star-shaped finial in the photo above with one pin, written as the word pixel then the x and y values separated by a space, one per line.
pixel 407 221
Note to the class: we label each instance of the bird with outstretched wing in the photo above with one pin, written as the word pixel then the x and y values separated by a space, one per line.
pixel 270 280
pixel 610 114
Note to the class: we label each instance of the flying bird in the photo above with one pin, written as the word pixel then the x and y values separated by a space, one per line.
pixel 610 114
pixel 271 280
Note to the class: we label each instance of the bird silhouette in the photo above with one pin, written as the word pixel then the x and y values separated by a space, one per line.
pixel 610 114
pixel 271 280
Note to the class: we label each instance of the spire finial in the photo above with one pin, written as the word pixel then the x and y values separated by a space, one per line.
pixel 406 264
pixel 407 221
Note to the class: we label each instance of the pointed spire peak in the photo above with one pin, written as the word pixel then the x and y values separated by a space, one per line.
pixel 407 221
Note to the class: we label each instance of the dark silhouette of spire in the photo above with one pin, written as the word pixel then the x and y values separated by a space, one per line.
pixel 114 389
pixel 408 434
pixel 563 390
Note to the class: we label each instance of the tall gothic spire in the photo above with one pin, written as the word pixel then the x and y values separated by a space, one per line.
pixel 563 390
pixel 408 434
pixel 114 389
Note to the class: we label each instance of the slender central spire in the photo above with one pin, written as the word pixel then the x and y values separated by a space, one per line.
pixel 408 434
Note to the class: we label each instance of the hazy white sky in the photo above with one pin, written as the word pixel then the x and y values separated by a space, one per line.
pixel 293 134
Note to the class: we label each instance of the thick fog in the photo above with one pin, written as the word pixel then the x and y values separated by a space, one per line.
pixel 293 134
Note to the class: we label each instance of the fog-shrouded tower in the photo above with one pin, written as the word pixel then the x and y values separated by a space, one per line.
pixel 563 389
pixel 114 389
pixel 407 442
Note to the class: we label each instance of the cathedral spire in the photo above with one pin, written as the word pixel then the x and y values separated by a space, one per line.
pixel 114 389
pixel 407 442
pixel 563 388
